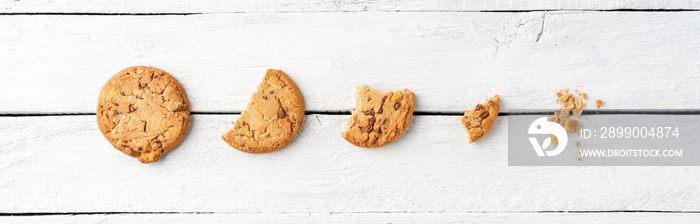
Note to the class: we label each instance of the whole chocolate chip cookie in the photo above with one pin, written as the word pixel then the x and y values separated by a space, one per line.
pixel 480 120
pixel 144 112
pixel 272 118
pixel 379 117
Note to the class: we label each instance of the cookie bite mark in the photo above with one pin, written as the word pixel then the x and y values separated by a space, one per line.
pixel 479 120
pixel 379 117
pixel 272 118
pixel 143 122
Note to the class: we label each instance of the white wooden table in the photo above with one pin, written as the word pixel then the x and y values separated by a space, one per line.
pixel 55 55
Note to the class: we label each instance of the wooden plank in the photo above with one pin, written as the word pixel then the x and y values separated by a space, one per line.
pixel 219 6
pixel 63 164
pixel 57 64
pixel 539 218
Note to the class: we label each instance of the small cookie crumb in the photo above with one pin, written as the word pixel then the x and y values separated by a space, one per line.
pixel 577 112
pixel 598 103
pixel 570 125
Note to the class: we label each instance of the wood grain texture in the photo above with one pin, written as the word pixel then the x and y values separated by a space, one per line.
pixel 448 52
pixel 538 218
pixel 452 61
pixel 222 6
pixel 63 164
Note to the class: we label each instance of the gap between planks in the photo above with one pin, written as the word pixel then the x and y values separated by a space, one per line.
pixel 367 212
pixel 330 11
pixel 589 112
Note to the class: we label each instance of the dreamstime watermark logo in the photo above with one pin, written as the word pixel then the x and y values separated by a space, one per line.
pixel 542 126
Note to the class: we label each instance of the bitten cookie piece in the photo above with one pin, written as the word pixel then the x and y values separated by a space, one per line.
pixel 144 112
pixel 379 117
pixel 274 115
pixel 480 120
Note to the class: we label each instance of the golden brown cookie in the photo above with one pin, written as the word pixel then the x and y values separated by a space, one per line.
pixel 379 117
pixel 480 120
pixel 272 118
pixel 143 111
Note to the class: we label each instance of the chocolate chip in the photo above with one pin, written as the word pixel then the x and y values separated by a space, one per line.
pixel 122 92
pixel 381 108
pixel 272 91
pixel 491 102
pixel 264 97
pixel 479 107
pixel 143 85
pixel 366 128
pixel 180 107
pixel 378 130
pixel 132 108
pixel 370 112
pixel 484 115
pixel 156 142
pixel 397 105
pixel 280 113
pixel 116 104
pixel 371 121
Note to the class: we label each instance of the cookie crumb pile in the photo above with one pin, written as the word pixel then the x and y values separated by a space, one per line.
pixel 570 110
pixel 568 101
pixel 570 106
